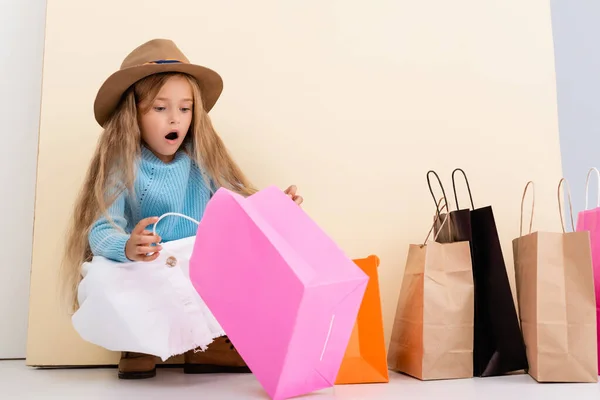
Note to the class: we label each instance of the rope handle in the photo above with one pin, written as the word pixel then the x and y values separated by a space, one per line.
pixel 437 218
pixel 530 183
pixel 468 188
pixel 437 205
pixel 587 186
pixel 560 205
pixel 175 215
pixel 445 198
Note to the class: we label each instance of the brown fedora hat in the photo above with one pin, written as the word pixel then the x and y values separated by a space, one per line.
pixel 155 56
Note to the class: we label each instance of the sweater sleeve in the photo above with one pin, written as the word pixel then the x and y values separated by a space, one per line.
pixel 105 239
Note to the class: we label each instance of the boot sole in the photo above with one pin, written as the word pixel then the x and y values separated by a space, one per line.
pixel 214 369
pixel 138 374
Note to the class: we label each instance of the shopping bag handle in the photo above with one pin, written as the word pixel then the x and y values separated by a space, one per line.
pixel 530 183
pixel 437 217
pixel 587 186
pixel 468 188
pixel 433 194
pixel 175 215
pixel 560 205
pixel 437 206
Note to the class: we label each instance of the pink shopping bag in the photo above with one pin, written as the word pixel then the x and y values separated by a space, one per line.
pixel 283 291
pixel 589 220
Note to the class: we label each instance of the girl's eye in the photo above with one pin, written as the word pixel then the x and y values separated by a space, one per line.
pixel 185 109
pixel 159 109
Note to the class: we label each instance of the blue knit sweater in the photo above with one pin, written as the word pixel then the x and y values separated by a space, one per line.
pixel 159 188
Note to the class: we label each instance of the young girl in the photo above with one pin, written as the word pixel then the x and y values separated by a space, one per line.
pixel 158 154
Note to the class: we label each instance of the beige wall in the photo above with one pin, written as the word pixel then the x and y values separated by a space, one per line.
pixel 353 103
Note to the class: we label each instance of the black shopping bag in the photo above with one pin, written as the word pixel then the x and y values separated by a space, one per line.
pixel 498 346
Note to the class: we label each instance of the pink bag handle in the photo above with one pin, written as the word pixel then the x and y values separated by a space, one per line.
pixel 587 186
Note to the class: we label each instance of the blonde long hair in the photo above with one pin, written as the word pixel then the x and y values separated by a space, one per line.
pixel 112 169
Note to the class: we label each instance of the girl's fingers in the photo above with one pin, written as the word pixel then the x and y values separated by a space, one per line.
pixel 141 226
pixel 147 239
pixel 298 200
pixel 148 249
pixel 291 191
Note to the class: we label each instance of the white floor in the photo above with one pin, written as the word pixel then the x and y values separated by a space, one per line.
pixel 20 382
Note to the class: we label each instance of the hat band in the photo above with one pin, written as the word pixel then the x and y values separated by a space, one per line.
pixel 165 61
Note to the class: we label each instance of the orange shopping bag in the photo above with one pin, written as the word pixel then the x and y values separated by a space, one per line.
pixel 365 360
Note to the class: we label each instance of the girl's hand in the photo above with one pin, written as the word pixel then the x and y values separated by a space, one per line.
pixel 291 192
pixel 140 242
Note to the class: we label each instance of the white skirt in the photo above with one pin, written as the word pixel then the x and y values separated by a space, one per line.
pixel 145 307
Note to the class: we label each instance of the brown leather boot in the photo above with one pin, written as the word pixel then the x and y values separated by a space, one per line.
pixel 220 356
pixel 137 366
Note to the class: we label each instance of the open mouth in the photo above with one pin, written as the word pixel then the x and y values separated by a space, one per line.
pixel 172 135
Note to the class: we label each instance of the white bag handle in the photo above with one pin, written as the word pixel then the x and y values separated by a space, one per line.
pixel 172 214
pixel 168 215
pixel 560 204
pixel 530 183
pixel 587 186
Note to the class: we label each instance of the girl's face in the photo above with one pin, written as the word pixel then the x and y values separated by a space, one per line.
pixel 166 121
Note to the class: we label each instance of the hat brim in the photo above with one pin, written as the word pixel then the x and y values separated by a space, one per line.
pixel 109 95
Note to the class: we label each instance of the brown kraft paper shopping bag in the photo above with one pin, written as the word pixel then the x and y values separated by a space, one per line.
pixel 432 336
pixel 557 306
